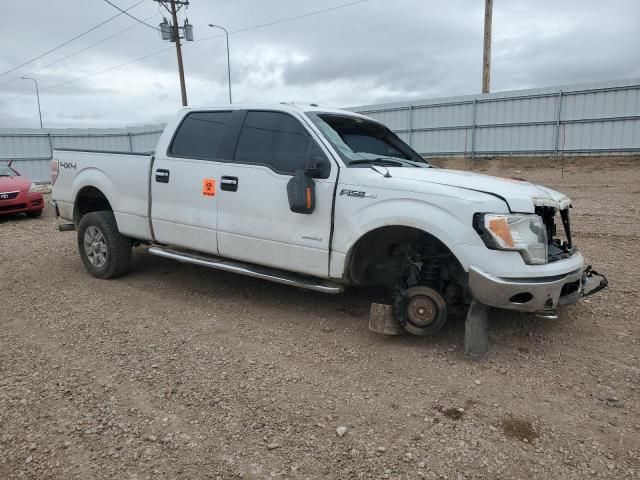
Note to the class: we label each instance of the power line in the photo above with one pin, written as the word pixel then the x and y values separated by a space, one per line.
pixel 67 42
pixel 144 57
pixel 77 52
pixel 77 79
pixel 131 16
pixel 286 19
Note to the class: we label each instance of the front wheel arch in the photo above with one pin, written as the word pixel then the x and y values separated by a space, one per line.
pixel 380 244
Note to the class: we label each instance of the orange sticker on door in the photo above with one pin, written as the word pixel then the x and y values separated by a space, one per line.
pixel 209 187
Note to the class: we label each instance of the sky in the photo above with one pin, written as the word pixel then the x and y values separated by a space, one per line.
pixel 360 52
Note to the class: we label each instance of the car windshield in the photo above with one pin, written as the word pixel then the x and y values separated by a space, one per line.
pixel 7 171
pixel 362 142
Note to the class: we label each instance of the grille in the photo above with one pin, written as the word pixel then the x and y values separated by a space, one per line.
pixel 8 195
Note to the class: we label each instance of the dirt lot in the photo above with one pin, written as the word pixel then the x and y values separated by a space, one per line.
pixel 179 372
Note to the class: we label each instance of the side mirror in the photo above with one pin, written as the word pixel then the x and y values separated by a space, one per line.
pixel 301 190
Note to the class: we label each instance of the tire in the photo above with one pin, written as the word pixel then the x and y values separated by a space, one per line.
pixel 34 213
pixel 106 253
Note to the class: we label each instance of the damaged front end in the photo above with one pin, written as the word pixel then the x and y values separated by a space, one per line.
pixel 542 295
pixel 560 248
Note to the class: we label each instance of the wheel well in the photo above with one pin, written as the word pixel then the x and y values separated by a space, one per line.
pixel 383 256
pixel 89 199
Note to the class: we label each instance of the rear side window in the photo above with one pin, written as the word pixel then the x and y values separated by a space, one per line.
pixel 200 135
pixel 274 139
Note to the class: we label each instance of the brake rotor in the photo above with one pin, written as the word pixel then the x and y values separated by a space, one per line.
pixel 425 311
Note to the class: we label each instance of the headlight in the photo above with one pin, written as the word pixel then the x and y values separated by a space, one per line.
pixel 520 232
pixel 32 188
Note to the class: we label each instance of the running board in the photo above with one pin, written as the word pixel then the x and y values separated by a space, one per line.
pixel 264 273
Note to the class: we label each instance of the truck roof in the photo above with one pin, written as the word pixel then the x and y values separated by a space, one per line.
pixel 284 106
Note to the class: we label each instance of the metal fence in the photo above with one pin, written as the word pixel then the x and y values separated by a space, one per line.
pixel 31 150
pixel 601 118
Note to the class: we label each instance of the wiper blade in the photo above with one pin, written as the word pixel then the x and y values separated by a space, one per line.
pixel 377 161
pixel 404 161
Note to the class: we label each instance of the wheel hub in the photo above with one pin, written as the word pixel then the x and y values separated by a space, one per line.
pixel 421 310
pixel 95 246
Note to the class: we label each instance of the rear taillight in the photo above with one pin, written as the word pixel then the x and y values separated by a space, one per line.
pixel 55 168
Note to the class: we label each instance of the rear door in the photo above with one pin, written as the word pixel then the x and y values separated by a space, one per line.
pixel 184 183
pixel 255 223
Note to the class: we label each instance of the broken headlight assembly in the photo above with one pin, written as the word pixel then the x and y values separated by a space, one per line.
pixel 524 233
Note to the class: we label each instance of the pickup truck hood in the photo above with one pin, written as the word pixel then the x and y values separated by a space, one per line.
pixel 520 195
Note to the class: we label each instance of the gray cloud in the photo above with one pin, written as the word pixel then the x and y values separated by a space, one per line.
pixel 367 53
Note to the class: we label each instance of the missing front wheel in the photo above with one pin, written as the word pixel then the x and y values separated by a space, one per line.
pixel 420 310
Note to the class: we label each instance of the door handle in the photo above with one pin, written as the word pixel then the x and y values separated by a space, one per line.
pixel 229 184
pixel 162 175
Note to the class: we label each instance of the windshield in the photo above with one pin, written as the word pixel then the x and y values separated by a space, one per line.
pixel 361 142
pixel 7 171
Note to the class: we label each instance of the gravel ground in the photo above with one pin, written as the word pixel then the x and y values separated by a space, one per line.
pixel 180 372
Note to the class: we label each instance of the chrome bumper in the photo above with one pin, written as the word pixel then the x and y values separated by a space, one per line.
pixel 526 294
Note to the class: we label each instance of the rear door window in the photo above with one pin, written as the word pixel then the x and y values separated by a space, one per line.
pixel 200 135
pixel 276 140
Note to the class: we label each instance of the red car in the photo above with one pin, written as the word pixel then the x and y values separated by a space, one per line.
pixel 18 194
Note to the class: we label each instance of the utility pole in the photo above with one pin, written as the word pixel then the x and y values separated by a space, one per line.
pixel 486 57
pixel 171 31
pixel 183 88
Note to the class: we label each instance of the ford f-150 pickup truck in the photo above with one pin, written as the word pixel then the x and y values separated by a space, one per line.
pixel 322 198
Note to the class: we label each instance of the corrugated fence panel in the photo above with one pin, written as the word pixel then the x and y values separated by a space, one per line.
pixel 17 146
pixel 31 149
pixel 582 119
pixel 36 169
pixel 145 142
pixel 116 143
pixel 601 136
pixel 514 139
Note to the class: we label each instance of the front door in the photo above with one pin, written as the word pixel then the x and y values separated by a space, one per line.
pixel 184 183
pixel 255 223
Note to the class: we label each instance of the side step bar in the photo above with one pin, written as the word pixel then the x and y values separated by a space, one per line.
pixel 264 273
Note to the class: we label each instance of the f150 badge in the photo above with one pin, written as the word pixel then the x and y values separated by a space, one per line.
pixel 357 193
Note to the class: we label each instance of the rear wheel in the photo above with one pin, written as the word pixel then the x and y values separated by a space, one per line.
pixel 105 252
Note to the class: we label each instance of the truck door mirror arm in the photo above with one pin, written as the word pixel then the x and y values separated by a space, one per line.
pixel 317 167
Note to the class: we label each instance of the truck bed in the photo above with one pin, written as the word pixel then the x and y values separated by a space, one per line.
pixel 122 176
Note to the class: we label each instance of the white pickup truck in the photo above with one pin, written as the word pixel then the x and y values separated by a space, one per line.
pixel 323 199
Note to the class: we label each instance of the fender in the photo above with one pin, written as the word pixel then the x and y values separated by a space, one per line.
pixel 130 208
pixel 96 178
pixel 432 219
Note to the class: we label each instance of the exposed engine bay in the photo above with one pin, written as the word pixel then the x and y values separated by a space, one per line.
pixel 558 248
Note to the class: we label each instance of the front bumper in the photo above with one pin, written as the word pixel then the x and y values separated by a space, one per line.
pixel 23 202
pixel 527 294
